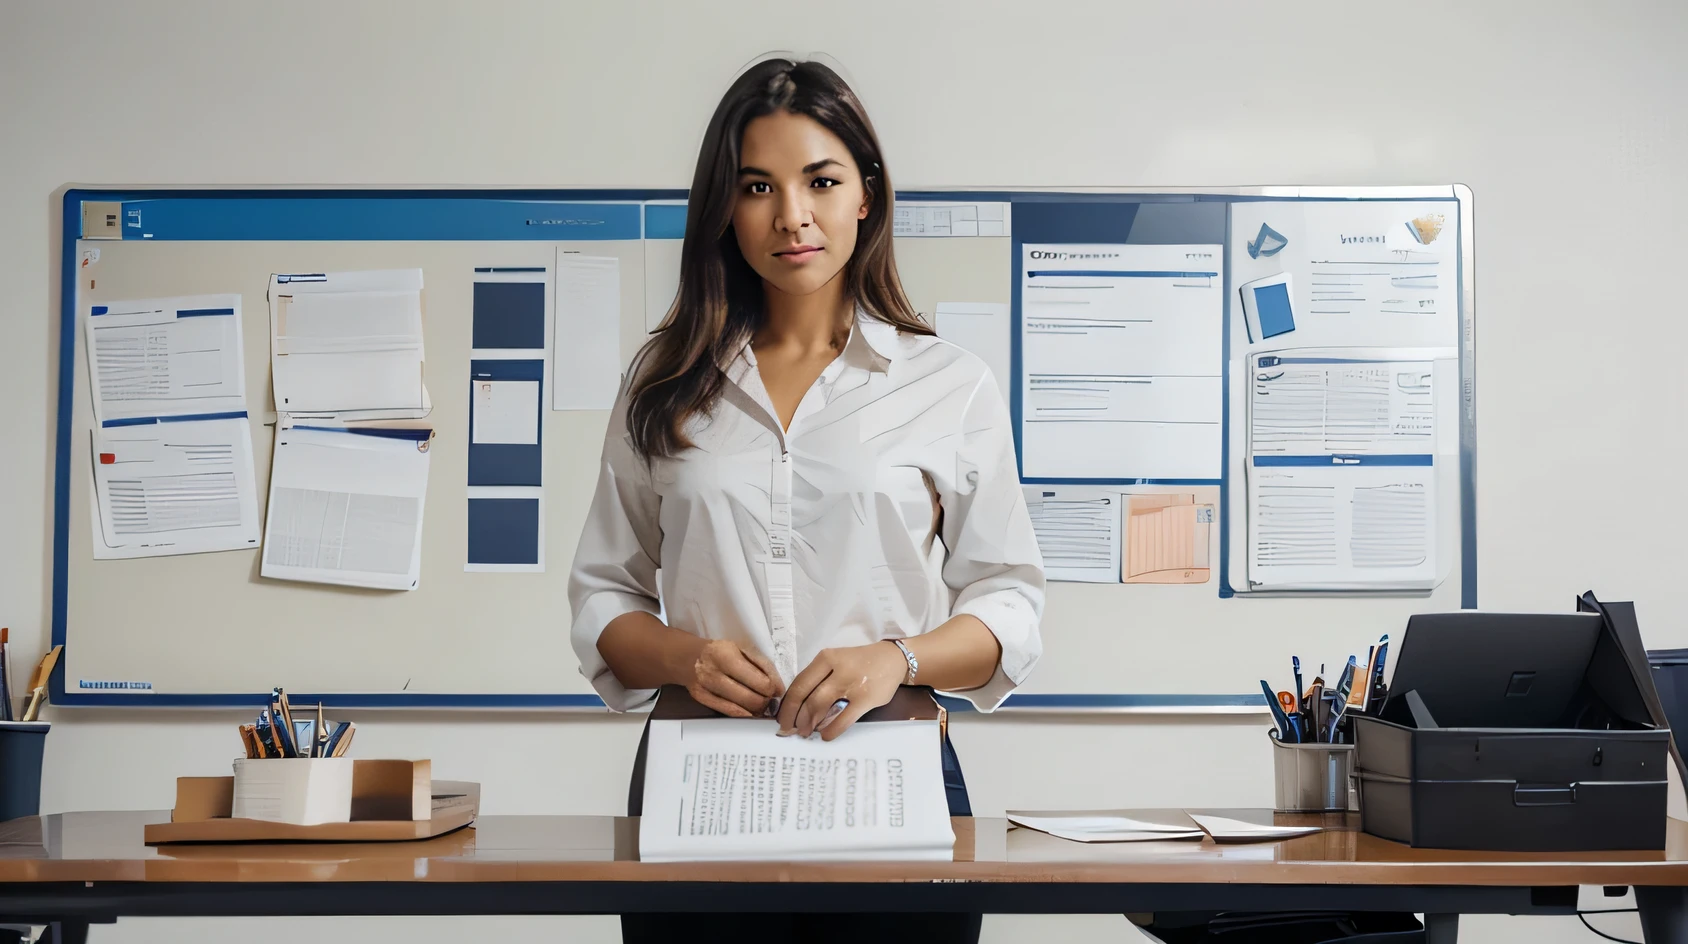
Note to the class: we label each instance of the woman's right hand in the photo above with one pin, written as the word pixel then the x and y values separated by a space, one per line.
pixel 739 683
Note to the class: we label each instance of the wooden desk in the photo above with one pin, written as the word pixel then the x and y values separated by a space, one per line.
pixel 77 868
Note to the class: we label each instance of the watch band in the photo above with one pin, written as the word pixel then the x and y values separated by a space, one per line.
pixel 913 663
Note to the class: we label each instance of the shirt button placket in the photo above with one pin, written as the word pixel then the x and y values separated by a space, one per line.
pixel 782 611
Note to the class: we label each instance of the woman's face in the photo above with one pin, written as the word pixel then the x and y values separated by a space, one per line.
pixel 800 201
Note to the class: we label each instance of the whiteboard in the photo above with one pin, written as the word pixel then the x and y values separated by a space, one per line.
pixel 208 630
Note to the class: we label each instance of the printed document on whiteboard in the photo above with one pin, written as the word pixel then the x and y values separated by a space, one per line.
pixel 586 346
pixel 1361 272
pixel 1341 469
pixel 346 507
pixel 154 357
pixel 348 345
pixel 1121 356
pixel 729 788
pixel 1078 531
pixel 174 488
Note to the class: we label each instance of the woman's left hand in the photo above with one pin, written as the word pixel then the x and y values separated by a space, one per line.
pixel 865 676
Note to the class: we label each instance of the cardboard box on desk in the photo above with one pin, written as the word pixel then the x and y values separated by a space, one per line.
pixel 389 800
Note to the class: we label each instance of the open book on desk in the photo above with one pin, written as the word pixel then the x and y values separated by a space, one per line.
pixel 731 789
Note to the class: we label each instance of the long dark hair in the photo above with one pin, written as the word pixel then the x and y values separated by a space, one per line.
pixel 721 303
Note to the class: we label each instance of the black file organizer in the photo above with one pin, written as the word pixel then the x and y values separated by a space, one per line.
pixel 1516 732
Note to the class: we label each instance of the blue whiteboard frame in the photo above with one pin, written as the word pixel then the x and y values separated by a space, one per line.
pixel 556 215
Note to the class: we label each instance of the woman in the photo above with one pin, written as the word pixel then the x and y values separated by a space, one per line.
pixel 828 490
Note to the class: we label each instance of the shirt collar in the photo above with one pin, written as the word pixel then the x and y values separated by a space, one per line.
pixel 872 346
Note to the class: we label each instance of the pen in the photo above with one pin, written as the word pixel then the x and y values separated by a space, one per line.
pixel 1321 710
pixel 1295 661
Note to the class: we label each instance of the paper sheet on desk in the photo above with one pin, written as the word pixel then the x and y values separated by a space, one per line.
pixel 727 788
pixel 346 508
pixel 174 488
pixel 154 357
pixel 1100 828
pixel 348 345
pixel 1226 829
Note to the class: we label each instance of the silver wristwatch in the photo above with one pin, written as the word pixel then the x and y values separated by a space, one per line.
pixel 913 663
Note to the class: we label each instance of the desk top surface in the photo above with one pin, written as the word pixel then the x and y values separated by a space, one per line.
pixel 108 847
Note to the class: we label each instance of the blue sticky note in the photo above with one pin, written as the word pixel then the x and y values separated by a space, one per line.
pixel 509 315
pixel 1271 307
pixel 503 531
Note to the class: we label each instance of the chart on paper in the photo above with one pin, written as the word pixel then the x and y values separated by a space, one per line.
pixel 174 488
pixel 1341 471
pixel 166 357
pixel 1121 351
pixel 1078 532
pixel 346 507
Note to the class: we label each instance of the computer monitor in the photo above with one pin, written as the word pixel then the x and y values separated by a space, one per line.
pixel 1500 670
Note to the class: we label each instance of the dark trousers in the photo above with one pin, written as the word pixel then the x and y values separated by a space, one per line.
pixel 775 927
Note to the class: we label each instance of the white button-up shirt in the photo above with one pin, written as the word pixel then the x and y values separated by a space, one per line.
pixel 892 503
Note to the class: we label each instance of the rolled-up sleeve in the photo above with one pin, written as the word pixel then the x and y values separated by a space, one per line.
pixel 616 561
pixel 994 567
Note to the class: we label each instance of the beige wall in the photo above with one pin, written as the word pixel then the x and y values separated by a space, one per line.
pixel 1564 118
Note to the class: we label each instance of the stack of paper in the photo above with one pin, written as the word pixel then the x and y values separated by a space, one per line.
pixel 726 788
pixel 171 454
pixel 1089 827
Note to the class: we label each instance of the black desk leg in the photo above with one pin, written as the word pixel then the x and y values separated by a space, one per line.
pixel 1664 914
pixel 65 932
pixel 1441 928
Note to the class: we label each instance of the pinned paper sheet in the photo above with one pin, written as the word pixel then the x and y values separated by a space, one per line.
pixel 586 355
pixel 984 329
pixel 1119 354
pixel 506 411
pixel 662 279
pixel 155 357
pixel 1340 469
pixel 1077 531
pixel 951 219
pixel 1167 539
pixel 348 345
pixel 346 507
pixel 174 488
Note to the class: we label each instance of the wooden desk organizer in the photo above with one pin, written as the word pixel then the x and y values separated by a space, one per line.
pixel 392 800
